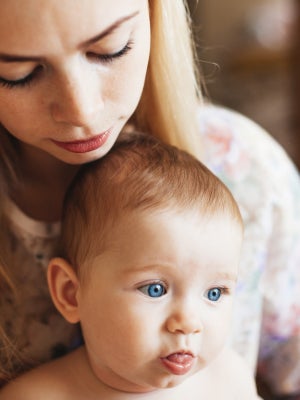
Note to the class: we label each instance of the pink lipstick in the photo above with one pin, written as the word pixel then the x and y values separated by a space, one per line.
pixel 179 363
pixel 85 146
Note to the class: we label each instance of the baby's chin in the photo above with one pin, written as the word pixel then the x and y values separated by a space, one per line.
pixel 159 384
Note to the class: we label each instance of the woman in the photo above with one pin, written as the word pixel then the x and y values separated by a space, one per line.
pixel 73 75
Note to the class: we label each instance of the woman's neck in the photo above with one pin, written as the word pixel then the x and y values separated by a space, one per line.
pixel 42 185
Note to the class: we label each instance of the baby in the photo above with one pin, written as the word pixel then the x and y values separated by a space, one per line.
pixel 149 269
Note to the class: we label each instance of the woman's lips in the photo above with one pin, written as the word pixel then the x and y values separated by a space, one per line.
pixel 85 146
pixel 179 363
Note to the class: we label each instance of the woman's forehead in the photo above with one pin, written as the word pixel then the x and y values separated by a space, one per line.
pixel 48 22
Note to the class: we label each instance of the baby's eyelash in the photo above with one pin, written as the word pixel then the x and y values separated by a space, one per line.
pixel 215 294
pixel 225 290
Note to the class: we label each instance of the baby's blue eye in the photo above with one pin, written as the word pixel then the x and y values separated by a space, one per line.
pixel 153 290
pixel 214 294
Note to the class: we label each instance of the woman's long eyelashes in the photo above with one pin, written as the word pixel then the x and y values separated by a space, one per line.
pixel 27 80
pixel 21 82
pixel 108 58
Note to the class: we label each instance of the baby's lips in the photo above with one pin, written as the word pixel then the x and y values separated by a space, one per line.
pixel 179 363
pixel 180 358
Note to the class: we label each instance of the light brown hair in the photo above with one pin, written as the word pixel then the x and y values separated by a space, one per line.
pixel 140 173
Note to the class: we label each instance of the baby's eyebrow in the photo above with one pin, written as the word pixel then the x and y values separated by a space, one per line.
pixel 228 276
pixel 147 268
pixel 109 29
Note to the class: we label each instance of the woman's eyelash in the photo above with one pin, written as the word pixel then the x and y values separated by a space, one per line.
pixel 107 58
pixel 21 82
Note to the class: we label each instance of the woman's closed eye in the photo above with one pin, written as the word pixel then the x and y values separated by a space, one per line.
pixel 22 82
pixel 110 57
pixel 104 58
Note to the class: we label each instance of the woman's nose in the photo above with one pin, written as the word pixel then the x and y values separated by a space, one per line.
pixel 77 100
pixel 185 319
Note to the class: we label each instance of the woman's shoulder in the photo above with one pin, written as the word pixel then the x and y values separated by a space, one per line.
pixel 238 149
pixel 252 164
pixel 233 137
pixel 214 119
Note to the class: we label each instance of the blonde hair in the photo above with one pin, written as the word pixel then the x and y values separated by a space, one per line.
pixel 171 96
pixel 167 109
pixel 140 173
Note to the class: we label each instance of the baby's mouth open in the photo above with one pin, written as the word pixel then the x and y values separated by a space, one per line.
pixel 179 363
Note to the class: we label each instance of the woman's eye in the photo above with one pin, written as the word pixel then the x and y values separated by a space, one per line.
pixel 214 294
pixel 153 289
pixel 21 82
pixel 107 58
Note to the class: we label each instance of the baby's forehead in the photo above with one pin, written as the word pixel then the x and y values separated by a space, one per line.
pixel 195 210
pixel 149 226
pixel 166 240
pixel 169 240
pixel 164 214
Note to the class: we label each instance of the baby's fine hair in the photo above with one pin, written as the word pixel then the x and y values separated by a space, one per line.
pixel 140 173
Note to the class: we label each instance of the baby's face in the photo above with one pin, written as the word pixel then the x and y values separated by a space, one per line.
pixel 157 304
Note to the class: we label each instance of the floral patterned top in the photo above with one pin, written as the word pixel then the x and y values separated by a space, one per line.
pixel 267 188
pixel 266 324
pixel 37 330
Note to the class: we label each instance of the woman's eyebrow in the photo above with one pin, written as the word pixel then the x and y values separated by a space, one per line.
pixel 109 29
pixel 11 58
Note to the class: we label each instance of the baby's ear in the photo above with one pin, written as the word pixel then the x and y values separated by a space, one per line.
pixel 63 285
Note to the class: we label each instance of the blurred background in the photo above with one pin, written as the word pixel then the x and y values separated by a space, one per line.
pixel 249 56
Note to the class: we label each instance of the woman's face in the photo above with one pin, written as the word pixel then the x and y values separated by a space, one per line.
pixel 71 72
